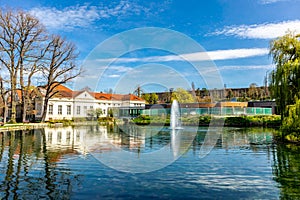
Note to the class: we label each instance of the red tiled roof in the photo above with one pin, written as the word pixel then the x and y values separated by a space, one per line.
pixel 62 88
pixel 64 92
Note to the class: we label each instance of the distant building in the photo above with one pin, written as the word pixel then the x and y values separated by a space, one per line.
pixel 69 104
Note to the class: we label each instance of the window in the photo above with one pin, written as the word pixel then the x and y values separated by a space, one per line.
pixel 91 107
pixel 78 110
pixel 50 110
pixel 84 109
pixel 59 109
pixel 68 110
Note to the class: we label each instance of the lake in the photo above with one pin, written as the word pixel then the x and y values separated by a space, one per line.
pixel 130 162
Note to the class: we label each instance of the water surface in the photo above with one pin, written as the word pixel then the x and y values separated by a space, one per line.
pixel 63 163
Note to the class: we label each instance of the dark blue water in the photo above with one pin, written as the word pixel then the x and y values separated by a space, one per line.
pixel 57 164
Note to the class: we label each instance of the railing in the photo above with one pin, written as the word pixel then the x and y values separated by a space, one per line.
pixel 211 111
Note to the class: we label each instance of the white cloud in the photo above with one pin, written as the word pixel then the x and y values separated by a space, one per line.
pixel 70 17
pixel 270 1
pixel 246 67
pixel 114 76
pixel 239 68
pixel 261 31
pixel 82 16
pixel 198 56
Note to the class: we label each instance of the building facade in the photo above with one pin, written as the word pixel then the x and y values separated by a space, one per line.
pixel 69 104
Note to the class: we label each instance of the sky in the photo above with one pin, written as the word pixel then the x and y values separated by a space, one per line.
pixel 118 50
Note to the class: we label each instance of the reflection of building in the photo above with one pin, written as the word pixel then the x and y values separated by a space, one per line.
pixel 92 138
pixel 68 104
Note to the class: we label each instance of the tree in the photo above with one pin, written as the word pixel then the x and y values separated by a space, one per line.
pixel 230 94
pixel 138 91
pixel 253 91
pixel 153 98
pixel 146 97
pixel 31 35
pixel 183 96
pixel 150 98
pixel 58 67
pixel 285 79
pixel 95 112
pixel 291 122
pixel 204 92
pixel 3 100
pixel 20 39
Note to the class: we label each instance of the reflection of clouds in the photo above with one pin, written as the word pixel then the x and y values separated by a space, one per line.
pixel 234 182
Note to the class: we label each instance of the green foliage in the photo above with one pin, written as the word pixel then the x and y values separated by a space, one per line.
pixel 79 119
pixel 285 79
pixel 105 119
pixel 64 122
pixel 291 123
pixel 150 98
pixel 183 96
pixel 285 83
pixel 204 120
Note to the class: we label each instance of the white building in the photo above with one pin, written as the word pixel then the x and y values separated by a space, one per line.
pixel 68 104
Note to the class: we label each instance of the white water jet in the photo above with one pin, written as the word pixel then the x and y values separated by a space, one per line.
pixel 175 121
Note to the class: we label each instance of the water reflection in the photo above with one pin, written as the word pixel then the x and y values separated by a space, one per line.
pixel 29 170
pixel 56 163
pixel 286 170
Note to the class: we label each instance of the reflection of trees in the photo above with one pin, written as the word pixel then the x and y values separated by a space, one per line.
pixel 286 169
pixel 2 146
pixel 30 171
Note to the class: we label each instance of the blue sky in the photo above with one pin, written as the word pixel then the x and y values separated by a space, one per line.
pixel 234 33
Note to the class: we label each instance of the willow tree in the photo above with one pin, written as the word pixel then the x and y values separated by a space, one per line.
pixel 285 79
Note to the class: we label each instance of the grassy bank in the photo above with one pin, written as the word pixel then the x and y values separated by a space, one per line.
pixel 236 121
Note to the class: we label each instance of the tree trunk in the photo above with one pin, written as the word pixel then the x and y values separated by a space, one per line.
pixel 13 100
pixel 45 109
pixel 4 112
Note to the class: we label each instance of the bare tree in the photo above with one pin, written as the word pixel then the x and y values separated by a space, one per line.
pixel 20 35
pixel 3 100
pixel 58 67
pixel 8 53
pixel 32 36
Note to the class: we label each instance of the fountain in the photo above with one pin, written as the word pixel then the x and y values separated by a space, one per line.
pixel 175 122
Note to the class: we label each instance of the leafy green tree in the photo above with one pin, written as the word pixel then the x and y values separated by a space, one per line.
pixel 204 92
pixel 183 96
pixel 150 98
pixel 146 97
pixel 285 79
pixel 285 83
pixel 291 122
pixel 153 98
